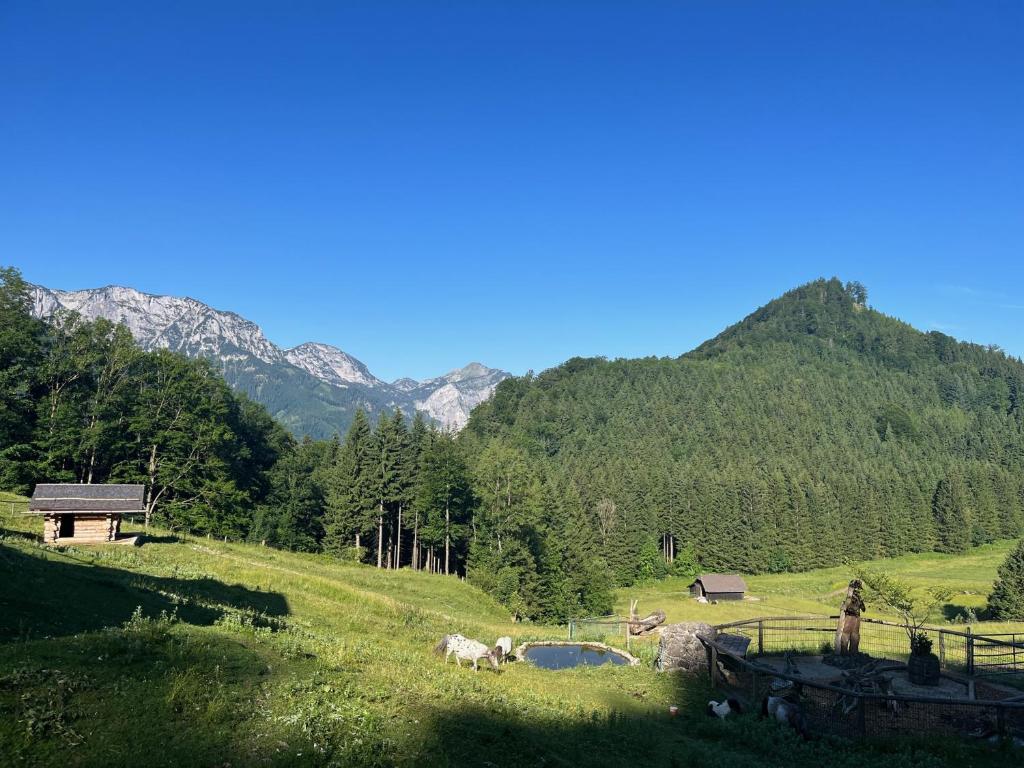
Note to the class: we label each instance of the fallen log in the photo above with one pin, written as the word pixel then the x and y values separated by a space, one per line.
pixel 647 623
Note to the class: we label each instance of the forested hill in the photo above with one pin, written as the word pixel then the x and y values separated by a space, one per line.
pixel 814 430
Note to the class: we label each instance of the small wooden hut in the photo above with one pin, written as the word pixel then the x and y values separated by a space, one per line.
pixel 719 586
pixel 84 514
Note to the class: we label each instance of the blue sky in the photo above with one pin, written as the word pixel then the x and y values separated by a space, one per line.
pixel 426 184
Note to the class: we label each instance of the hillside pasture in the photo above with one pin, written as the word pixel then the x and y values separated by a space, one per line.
pixel 198 652
pixel 970 576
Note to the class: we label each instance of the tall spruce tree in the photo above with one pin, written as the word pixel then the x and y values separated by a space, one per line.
pixel 444 494
pixel 952 517
pixel 350 490
pixel 387 477
pixel 21 347
pixel 1006 603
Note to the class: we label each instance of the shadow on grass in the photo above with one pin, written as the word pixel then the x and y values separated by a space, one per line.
pixel 486 738
pixel 147 538
pixel 147 694
pixel 57 595
pixel 16 534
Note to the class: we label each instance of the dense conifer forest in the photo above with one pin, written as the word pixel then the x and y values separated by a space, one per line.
pixel 79 402
pixel 815 430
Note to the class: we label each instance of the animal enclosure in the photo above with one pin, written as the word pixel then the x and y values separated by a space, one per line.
pixel 973 699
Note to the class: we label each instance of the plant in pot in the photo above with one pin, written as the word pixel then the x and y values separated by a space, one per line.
pixel 923 665
pixel 914 609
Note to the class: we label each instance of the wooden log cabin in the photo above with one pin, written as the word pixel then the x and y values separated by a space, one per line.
pixel 718 586
pixel 84 514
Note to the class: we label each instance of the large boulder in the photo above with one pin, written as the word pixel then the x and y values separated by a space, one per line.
pixel 681 648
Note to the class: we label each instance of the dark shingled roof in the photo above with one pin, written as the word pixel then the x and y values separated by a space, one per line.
pixel 721 582
pixel 71 497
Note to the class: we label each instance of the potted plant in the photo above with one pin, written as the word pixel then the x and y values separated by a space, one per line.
pixel 923 665
pixel 914 610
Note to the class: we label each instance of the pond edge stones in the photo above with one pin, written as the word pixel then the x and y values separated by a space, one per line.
pixel 520 654
pixel 680 648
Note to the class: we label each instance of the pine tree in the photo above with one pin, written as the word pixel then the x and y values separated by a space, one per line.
pixel 387 476
pixel 1006 603
pixel 952 517
pixel 420 437
pixel 350 491
pixel 445 497
pixel 21 345
pixel 405 480
pixel 291 516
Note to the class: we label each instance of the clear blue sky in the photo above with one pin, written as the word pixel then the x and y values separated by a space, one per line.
pixel 426 184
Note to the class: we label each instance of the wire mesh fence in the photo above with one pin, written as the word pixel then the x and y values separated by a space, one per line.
pixel 962 651
pixel 601 629
pixel 971 702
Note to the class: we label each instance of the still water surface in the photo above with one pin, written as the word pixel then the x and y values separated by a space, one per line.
pixel 567 656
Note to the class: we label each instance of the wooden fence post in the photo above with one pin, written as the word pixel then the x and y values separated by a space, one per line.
pixel 942 649
pixel 760 637
pixel 970 652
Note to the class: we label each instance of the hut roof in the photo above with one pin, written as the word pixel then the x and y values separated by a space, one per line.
pixel 72 497
pixel 721 582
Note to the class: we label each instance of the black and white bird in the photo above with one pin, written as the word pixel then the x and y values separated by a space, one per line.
pixel 723 709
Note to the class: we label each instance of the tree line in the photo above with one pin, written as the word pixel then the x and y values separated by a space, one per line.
pixel 81 403
pixel 815 431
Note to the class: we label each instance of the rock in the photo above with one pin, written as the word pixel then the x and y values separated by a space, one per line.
pixel 680 647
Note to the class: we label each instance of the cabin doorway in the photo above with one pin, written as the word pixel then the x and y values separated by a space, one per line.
pixel 67 526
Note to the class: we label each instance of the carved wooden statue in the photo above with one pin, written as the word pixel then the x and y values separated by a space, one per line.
pixel 848 628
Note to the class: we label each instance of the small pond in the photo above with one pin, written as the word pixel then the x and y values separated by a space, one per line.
pixel 571 655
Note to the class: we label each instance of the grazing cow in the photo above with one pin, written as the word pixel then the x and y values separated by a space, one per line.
pixel 470 650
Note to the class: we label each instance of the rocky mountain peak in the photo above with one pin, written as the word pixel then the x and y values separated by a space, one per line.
pixel 330 364
pixel 291 383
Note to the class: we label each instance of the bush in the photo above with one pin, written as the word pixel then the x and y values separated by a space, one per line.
pixel 353 554
pixel 920 644
pixel 685 564
pixel 651 563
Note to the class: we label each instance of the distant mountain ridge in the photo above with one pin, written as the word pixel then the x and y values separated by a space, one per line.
pixel 313 388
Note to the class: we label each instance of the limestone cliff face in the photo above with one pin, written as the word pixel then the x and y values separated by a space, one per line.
pixel 313 388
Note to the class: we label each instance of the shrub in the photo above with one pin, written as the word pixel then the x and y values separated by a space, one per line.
pixel 920 644
pixel 352 554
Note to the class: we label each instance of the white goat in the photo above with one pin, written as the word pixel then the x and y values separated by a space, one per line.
pixel 470 650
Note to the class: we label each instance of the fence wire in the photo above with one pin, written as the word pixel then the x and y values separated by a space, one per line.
pixel 604 629
pixel 987 707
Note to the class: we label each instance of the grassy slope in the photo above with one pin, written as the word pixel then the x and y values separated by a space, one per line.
pixel 970 575
pixel 284 659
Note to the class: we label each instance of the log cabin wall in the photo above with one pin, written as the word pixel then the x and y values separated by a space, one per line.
pixel 50 528
pixel 89 528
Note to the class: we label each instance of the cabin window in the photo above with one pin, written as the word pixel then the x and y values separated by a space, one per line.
pixel 67 526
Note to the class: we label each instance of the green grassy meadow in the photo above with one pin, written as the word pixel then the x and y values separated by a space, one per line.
pixel 970 576
pixel 200 653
